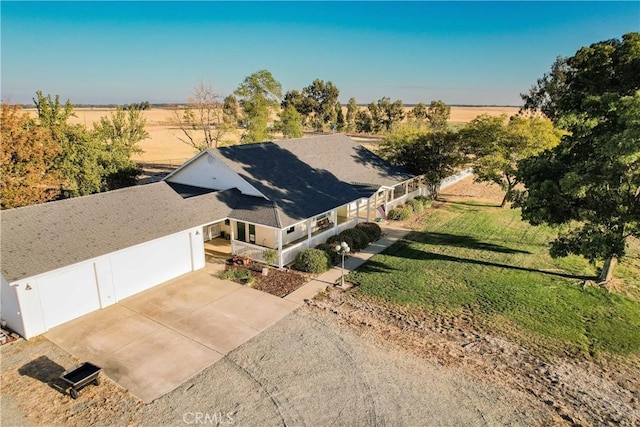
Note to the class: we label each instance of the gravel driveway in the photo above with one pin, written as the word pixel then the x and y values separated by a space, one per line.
pixel 305 370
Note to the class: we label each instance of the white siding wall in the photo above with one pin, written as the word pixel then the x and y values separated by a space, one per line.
pixel 30 311
pixel 141 267
pixel 10 308
pixel 207 171
pixel 299 231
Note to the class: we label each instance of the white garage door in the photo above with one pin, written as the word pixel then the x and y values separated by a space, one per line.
pixel 67 295
pixel 142 267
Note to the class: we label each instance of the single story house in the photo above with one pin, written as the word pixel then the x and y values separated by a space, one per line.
pixel 63 259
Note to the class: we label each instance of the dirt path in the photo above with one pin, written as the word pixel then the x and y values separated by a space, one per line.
pixel 580 392
pixel 306 370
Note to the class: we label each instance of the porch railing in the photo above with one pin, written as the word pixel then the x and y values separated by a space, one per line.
pixel 255 252
pixel 320 238
pixel 289 254
pixel 348 224
pixel 400 200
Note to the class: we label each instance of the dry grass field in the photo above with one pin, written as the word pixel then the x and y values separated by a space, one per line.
pixel 163 146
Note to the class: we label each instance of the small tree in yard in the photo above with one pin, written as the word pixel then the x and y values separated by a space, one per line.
pixel 270 256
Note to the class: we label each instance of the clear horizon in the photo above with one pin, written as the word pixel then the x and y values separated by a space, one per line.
pixel 464 53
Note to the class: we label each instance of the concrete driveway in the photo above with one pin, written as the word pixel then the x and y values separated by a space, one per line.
pixel 154 341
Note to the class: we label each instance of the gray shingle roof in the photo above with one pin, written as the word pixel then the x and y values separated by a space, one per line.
pixel 39 238
pixel 301 177
pixel 308 176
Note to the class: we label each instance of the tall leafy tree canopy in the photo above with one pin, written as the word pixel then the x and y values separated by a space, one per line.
pixel 290 123
pixel 352 110
pixel 436 154
pixel 498 144
pixel 47 157
pixel 420 112
pixel 27 161
pixel 438 114
pixel 259 94
pixel 590 182
pixel 322 98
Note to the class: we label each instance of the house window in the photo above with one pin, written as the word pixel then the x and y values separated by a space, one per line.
pixel 227 222
pixel 252 233
pixel 291 230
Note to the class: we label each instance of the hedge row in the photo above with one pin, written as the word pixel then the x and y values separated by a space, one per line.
pixel 404 212
pixel 325 255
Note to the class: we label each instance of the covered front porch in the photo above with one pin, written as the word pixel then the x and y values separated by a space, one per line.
pixel 252 240
pixel 388 198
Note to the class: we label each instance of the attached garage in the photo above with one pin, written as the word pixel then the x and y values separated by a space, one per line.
pixel 37 304
pixel 64 259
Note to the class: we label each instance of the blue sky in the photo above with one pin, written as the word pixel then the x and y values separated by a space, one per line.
pixel 460 52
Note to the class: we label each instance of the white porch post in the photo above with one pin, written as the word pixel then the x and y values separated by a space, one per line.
pixel 309 233
pixel 234 251
pixel 375 205
pixel 335 220
pixel 406 188
pixel 369 208
pixel 358 211
pixel 280 264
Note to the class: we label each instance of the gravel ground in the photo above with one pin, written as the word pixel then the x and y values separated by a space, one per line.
pixel 308 369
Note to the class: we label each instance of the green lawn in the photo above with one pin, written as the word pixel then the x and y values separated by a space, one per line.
pixel 486 261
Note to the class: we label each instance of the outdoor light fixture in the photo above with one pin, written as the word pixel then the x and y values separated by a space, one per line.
pixel 342 249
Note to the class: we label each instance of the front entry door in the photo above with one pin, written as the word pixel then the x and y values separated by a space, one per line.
pixel 242 233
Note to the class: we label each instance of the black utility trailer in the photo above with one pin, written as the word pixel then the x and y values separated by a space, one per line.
pixel 81 375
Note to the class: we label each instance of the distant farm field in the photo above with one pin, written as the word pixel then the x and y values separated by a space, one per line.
pixel 164 146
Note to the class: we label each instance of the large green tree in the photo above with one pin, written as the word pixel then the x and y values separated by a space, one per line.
pixel 119 136
pixel 420 112
pixel 434 154
pixel 352 110
pixel 290 123
pixel 498 145
pixel 259 95
pixel 438 114
pixel 590 182
pixel 321 97
pixel 90 161
pixel 390 113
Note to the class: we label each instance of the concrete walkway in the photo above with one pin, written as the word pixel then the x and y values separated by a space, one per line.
pixel 319 284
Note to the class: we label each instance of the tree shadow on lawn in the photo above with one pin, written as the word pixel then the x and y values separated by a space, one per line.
pixel 372 266
pixel 467 242
pixel 407 251
pixel 443 199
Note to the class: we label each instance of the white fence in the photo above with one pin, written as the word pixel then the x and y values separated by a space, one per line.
pixel 400 200
pixel 289 254
pixel 450 180
pixel 320 238
pixel 346 225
